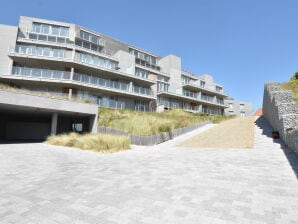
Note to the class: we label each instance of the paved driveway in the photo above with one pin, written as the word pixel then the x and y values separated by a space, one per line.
pixel 40 183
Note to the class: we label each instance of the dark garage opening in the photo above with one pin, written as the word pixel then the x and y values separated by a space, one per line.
pixel 35 126
pixel 24 126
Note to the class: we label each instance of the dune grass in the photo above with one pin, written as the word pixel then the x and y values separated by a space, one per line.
pixel 292 85
pixel 97 142
pixel 147 123
pixel 7 87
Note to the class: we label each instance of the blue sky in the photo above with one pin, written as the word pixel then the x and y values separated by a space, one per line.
pixel 241 43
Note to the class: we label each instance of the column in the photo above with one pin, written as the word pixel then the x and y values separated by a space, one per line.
pixel 93 123
pixel 71 73
pixel 69 93
pixel 54 124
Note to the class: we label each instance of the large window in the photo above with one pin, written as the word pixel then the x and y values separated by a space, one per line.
pixel 185 79
pixel 98 61
pixel 90 37
pixel 163 78
pixel 162 87
pixel 218 89
pixel 143 56
pixel 141 73
pixel 48 29
pixel 145 59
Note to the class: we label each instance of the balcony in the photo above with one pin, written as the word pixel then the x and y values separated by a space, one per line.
pixel 97 47
pixel 82 79
pixel 47 38
pixel 45 52
pixel 193 97
pixel 195 87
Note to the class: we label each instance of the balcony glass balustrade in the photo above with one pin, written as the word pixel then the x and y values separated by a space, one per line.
pixel 39 51
pixel 80 78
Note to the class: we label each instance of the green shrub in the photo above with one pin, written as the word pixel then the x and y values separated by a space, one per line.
pixel 292 85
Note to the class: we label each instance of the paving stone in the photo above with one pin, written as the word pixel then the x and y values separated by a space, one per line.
pixel 41 183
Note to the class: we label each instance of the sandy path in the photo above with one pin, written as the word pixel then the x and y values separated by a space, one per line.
pixel 234 133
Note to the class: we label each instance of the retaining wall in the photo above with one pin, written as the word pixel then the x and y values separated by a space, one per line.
pixel 282 113
pixel 152 139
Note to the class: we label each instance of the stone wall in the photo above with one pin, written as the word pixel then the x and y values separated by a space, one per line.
pixel 282 113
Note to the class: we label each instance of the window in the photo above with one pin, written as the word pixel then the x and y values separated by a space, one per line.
pixel 231 105
pixel 202 84
pixel 50 29
pixel 143 56
pixel 162 87
pixel 241 106
pixel 185 79
pixel 90 37
pixel 77 127
pixel 141 73
pixel 163 78
pixel 242 114
pixel 218 89
pixel 98 61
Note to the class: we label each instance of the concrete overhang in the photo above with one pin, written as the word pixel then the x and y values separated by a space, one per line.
pixel 22 103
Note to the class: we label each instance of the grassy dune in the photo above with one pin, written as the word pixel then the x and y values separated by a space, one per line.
pixel 97 142
pixel 293 86
pixel 146 123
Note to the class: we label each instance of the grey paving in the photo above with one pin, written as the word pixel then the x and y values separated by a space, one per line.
pixel 40 183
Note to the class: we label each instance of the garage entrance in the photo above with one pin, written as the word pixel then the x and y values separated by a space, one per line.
pixel 34 118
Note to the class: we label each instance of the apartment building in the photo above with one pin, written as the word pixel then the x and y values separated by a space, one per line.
pixel 238 108
pixel 63 58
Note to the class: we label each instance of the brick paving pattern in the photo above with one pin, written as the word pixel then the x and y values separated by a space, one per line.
pixel 40 184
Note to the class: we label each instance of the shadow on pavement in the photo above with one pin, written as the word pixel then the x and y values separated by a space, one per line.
pixel 3 141
pixel 290 155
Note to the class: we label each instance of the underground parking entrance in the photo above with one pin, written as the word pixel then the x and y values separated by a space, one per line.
pixel 26 117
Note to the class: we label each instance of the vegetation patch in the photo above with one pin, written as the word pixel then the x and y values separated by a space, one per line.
pixel 97 142
pixel 293 86
pixel 148 123
pixel 6 87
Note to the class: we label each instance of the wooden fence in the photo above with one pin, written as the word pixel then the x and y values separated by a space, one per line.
pixel 152 139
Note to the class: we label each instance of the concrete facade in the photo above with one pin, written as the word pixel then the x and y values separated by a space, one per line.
pixel 238 108
pixel 282 114
pixel 29 117
pixel 64 58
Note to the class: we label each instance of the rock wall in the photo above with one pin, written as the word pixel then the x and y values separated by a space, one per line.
pixel 282 113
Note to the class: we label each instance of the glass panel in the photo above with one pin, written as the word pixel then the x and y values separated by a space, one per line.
pixel 46 73
pixel 52 39
pixel 64 32
pixel 94 80
pixel 47 51
pixel 76 77
pixel 36 28
pixel 56 74
pixel 36 72
pixel 61 40
pixel 42 37
pixel 55 30
pixel 45 29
